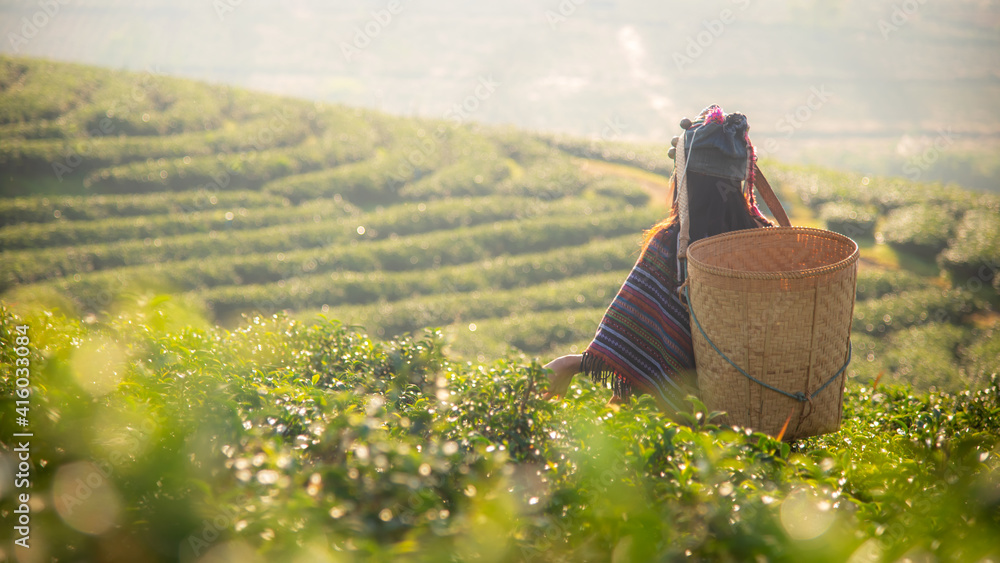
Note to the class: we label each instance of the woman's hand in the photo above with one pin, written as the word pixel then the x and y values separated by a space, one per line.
pixel 561 372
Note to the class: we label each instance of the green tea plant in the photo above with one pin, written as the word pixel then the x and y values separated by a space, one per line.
pixel 980 355
pixel 622 189
pixel 73 233
pixel 22 210
pixel 336 287
pixel 974 253
pixel 910 308
pixel 158 436
pixel 816 186
pixel 280 441
pixel 303 232
pixel 926 356
pixel 651 158
pixel 372 181
pixel 533 333
pixel 417 252
pixel 874 283
pixel 564 296
pixel 849 220
pixel 29 156
pixel 921 229
pixel 473 176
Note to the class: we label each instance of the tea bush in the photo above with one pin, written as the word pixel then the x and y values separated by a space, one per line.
pixel 366 285
pixel 979 357
pixel 535 334
pixel 474 176
pixel 72 233
pixel 245 170
pixel 367 182
pixel 651 158
pixel 921 229
pixel 926 356
pixel 816 186
pixel 554 177
pixel 417 253
pixel 280 441
pixel 102 151
pixel 911 308
pixel 849 220
pixel 876 282
pixel 21 210
pixel 941 356
pixel 389 223
pixel 974 253
pixel 387 319
pixel 620 188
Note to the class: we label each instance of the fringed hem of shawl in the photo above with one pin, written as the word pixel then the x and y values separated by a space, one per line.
pixel 601 373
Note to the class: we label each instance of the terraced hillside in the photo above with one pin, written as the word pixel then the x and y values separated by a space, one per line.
pixel 121 186
pixel 137 212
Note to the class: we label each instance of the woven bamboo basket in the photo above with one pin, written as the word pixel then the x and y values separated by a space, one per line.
pixel 771 313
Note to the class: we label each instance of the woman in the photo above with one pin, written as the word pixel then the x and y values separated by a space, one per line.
pixel 643 343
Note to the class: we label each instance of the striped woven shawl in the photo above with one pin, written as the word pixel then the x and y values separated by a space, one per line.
pixel 644 340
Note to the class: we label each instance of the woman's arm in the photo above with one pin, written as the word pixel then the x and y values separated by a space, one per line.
pixel 563 369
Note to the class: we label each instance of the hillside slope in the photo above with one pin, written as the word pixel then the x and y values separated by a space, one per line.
pixel 904 88
pixel 120 185
pixel 154 434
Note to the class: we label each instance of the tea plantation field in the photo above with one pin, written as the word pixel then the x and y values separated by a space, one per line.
pixel 240 327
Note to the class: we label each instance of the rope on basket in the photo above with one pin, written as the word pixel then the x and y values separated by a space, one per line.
pixel 798 395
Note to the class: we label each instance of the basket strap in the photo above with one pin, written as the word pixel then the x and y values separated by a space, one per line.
pixel 764 188
pixel 798 396
pixel 681 185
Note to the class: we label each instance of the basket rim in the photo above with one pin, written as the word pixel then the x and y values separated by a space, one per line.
pixel 773 275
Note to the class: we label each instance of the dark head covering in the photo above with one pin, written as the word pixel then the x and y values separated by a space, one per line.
pixel 719 158
pixel 717 145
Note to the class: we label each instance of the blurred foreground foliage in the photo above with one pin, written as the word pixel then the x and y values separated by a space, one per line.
pixel 282 441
